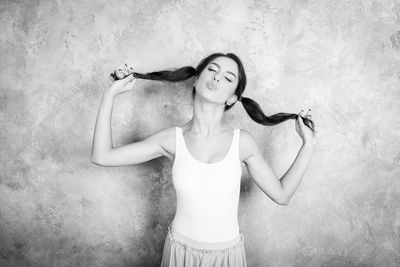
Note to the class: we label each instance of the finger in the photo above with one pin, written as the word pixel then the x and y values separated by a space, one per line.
pixel 112 77
pixel 300 120
pixel 126 73
pixel 120 74
pixel 299 115
pixel 127 69
pixel 131 79
pixel 126 79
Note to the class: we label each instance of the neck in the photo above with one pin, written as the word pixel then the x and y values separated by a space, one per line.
pixel 208 118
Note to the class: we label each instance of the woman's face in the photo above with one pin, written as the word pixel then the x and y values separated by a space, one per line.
pixel 218 81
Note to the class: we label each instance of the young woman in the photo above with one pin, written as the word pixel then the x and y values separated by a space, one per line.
pixel 206 155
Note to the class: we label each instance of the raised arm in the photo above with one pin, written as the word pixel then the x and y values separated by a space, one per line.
pixel 103 152
pixel 281 189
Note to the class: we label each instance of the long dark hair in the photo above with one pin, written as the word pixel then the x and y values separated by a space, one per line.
pixel 252 108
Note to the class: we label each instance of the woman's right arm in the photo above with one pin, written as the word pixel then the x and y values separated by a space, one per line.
pixel 103 153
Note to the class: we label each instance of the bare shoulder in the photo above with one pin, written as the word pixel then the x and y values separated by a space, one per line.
pixel 248 146
pixel 166 139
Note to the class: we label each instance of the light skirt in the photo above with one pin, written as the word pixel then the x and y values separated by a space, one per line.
pixel 182 251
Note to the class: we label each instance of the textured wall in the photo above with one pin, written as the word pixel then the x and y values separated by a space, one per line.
pixel 340 58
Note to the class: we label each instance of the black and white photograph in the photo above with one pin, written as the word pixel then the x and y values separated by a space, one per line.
pixel 176 133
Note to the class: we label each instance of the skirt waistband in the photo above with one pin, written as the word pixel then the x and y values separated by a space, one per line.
pixel 185 240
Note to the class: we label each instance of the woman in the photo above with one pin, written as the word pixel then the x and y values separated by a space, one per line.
pixel 207 156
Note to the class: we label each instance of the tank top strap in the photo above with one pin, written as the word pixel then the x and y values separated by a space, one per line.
pixel 235 142
pixel 178 141
pixel 233 152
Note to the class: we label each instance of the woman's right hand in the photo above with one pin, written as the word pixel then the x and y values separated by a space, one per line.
pixel 122 86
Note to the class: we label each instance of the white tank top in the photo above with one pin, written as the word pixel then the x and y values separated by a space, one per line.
pixel 207 194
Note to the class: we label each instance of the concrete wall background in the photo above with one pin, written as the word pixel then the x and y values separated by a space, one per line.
pixel 339 58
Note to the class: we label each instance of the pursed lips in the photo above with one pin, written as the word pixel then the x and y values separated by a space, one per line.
pixel 211 86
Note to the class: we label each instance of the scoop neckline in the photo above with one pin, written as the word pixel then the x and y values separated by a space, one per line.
pixel 212 163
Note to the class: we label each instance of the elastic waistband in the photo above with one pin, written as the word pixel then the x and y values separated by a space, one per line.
pixel 204 245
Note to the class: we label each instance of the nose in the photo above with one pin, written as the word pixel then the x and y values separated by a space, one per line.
pixel 215 78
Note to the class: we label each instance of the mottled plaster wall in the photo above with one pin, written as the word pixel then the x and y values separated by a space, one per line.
pixel 340 58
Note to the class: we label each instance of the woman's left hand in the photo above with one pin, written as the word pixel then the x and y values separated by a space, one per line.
pixel 305 133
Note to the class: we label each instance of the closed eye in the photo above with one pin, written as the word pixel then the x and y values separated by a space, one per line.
pixel 225 77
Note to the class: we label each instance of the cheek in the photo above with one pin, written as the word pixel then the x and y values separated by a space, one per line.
pixel 204 77
pixel 231 87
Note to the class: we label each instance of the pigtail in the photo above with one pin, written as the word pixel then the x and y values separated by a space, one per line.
pixel 255 112
pixel 177 75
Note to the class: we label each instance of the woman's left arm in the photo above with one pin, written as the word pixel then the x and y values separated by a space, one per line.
pixel 291 179
pixel 281 189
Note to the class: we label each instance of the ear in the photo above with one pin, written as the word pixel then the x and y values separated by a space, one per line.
pixel 232 99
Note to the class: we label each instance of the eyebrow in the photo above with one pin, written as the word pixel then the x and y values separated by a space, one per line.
pixel 227 71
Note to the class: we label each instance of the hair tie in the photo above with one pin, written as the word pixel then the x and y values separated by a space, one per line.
pixel 239 98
